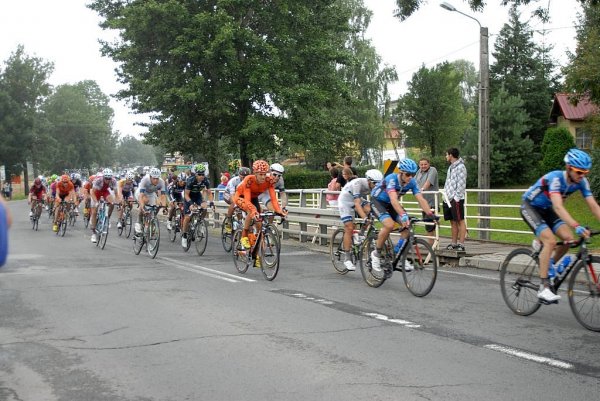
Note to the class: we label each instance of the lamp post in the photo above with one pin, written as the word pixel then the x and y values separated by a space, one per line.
pixel 483 154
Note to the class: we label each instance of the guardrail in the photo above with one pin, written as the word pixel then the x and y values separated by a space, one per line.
pixel 312 219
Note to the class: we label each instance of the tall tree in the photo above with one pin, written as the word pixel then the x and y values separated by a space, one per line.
pixel 583 71
pixel 431 112
pixel 131 151
pixel 23 87
pixel 526 71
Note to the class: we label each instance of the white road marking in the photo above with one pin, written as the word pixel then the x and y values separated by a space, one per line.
pixel 531 357
pixel 384 318
pixel 206 271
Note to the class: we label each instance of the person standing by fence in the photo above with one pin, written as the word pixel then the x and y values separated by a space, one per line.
pixel 427 181
pixel 454 204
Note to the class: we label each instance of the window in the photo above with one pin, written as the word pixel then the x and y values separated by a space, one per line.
pixel 583 139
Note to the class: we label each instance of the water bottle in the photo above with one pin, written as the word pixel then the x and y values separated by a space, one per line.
pixel 563 264
pixel 398 245
pixel 536 245
pixel 551 269
pixel 355 237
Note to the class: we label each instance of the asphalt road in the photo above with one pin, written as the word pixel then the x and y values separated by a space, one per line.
pixel 80 323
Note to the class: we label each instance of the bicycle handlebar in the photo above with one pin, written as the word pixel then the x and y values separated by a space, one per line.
pixel 576 243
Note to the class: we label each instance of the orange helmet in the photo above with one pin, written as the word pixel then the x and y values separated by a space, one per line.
pixel 260 166
pixel 64 178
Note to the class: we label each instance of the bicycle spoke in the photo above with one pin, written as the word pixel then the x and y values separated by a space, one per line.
pixel 584 293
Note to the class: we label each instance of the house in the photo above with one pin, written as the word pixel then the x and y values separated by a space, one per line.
pixel 566 114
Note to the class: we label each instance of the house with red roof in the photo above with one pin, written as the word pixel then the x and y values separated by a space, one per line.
pixel 573 116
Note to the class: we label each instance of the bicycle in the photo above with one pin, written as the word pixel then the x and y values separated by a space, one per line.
pixel 420 280
pixel 229 226
pixel 86 213
pixel 268 250
pixel 126 220
pixel 37 206
pixel 336 244
pixel 102 223
pixel 520 292
pixel 177 222
pixel 150 235
pixel 62 211
pixel 197 230
pixel 72 214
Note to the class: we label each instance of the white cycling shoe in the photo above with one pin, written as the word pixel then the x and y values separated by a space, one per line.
pixel 349 265
pixel 375 262
pixel 545 294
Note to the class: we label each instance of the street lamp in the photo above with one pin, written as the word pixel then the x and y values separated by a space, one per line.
pixel 483 154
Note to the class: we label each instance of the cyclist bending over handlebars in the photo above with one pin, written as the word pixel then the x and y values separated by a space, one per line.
pixel 151 188
pixel 386 206
pixel 195 186
pixel 543 210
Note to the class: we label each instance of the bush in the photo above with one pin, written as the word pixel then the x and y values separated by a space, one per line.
pixel 298 177
pixel 594 176
pixel 557 141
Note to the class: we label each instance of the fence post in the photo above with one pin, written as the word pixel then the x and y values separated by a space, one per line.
pixel 303 226
pixel 323 227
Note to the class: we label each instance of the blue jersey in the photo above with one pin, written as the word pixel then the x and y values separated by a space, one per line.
pixel 391 183
pixel 538 195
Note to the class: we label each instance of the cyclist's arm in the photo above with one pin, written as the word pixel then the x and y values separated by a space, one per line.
pixel 396 202
pixel 559 208
pixel 186 195
pixel 423 203
pixel 358 207
pixel 283 198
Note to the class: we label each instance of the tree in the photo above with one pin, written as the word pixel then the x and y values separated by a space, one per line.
pixel 23 87
pixel 583 72
pixel 556 144
pixel 523 69
pixel 431 112
pixel 79 119
pixel 512 156
pixel 407 7
pixel 131 151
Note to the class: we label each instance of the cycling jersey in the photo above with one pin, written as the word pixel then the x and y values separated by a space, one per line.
pixel 76 184
pixel 249 190
pixel 53 189
pixel 196 187
pixel 391 183
pixel 176 192
pixel 357 188
pixel 126 187
pixel 232 185
pixel 100 184
pixel 146 186
pixel 538 195
pixel 279 186
pixel 38 192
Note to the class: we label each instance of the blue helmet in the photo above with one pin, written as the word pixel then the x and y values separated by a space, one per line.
pixel 409 166
pixel 578 158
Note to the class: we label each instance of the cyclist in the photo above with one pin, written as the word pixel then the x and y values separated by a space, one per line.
pixel 64 188
pixel 176 195
pixel 125 188
pixel 77 184
pixel 543 210
pixel 195 186
pixel 276 173
pixel 247 193
pixel 36 192
pixel 230 191
pixel 103 186
pixel 386 205
pixel 51 194
pixel 352 200
pixel 151 188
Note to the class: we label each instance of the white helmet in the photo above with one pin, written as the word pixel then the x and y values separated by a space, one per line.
pixel 374 175
pixel 107 173
pixel 129 176
pixel 154 173
pixel 278 168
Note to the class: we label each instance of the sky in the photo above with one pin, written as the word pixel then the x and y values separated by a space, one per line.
pixel 66 33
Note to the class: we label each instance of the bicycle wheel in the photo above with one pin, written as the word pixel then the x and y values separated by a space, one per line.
pixel 153 237
pixel 62 227
pixel 227 233
pixel 336 251
pixel 421 280
pixel 138 243
pixel 519 282
pixel 86 220
pixel 584 293
pixel 201 237
pixel 174 225
pixel 104 233
pixel 269 253
pixel 122 228
pixel 127 223
pixel 239 253
pixel 372 278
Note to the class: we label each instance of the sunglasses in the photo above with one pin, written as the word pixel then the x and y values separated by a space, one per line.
pixel 580 171
pixel 202 174
pixel 406 174
pixel 276 174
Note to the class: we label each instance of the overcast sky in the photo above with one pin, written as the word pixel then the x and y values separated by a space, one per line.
pixel 66 33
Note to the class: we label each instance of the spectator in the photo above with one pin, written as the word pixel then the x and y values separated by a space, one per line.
pixel 332 199
pixel 227 175
pixel 222 186
pixel 454 199
pixel 427 180
pixel 7 189
pixel 330 165
pixel 5 222
pixel 342 180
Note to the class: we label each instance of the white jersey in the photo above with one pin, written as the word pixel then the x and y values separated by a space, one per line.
pixel 357 188
pixel 233 184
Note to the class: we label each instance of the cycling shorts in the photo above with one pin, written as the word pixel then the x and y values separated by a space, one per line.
pixel 540 219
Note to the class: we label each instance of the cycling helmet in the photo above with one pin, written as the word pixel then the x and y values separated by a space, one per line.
pixel 37 181
pixel 129 176
pixel 77 176
pixel 53 177
pixel 409 166
pixel 64 178
pixel 260 166
pixel 154 173
pixel 182 176
pixel 374 175
pixel 199 168
pixel 244 171
pixel 107 173
pixel 578 158
pixel 278 168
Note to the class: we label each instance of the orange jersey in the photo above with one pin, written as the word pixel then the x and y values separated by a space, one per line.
pixel 64 188
pixel 250 189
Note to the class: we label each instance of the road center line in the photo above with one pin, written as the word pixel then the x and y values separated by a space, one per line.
pixel 531 357
pixel 211 272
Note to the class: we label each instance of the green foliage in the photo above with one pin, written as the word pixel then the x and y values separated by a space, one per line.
pixel 557 141
pixel 594 177
pixel 131 151
pixel 431 112
pixel 306 179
